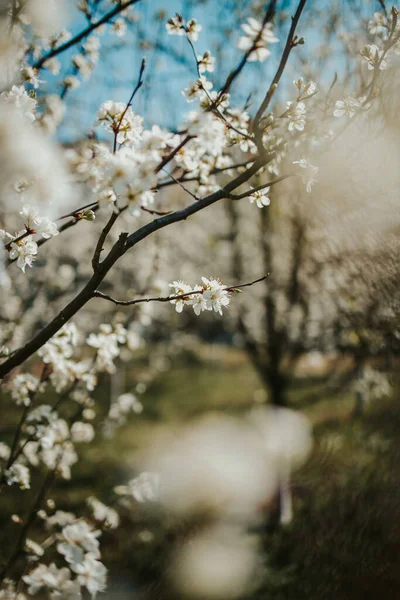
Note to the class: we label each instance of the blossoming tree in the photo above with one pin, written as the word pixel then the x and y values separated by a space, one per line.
pixel 53 196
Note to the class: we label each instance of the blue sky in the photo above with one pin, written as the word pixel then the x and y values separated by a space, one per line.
pixel 160 100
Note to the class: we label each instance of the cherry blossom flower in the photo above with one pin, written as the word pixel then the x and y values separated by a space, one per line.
pixel 206 62
pixel 296 112
pixel 215 294
pixel 260 198
pixel 378 25
pixel 116 116
pixel 91 574
pixel 176 25
pixel 25 251
pixel 254 29
pixel 106 343
pixel 19 474
pixel 347 107
pixel 309 173
pixel 197 89
pixel 22 100
pixel 180 288
pixel 374 57
pixel 78 539
pixel 102 513
pixel 144 488
pixel 193 29
pixel 54 579
pixel 23 386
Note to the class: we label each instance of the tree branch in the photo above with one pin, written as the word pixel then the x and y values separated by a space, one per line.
pixel 232 288
pixel 83 34
pixel 290 44
pixel 123 244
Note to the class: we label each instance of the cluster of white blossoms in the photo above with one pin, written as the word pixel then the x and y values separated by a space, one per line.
pixel 258 37
pixel 21 246
pixel 211 295
pixel 305 89
pixel 18 474
pixel 124 405
pixel 372 384
pixel 178 26
pixel 25 103
pixel 107 343
pixel 58 352
pixel 78 544
pixel 23 386
pixel 296 114
pixel 122 121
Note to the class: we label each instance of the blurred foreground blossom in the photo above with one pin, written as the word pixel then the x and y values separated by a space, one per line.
pixel 286 436
pixel 219 563
pixel 216 465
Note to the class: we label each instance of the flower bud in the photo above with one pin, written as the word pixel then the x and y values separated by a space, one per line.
pixel 88 215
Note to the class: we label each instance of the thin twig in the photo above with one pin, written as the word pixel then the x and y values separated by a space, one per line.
pixel 136 89
pixel 181 185
pixel 175 151
pixel 231 288
pixel 121 246
pixel 47 483
pixel 261 187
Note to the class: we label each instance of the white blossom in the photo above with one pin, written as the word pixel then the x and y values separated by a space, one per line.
pixel 22 100
pixel 296 112
pixel 176 25
pixel 144 488
pixel 23 386
pixel 374 57
pixel 308 174
pixel 24 251
pixel 77 539
pixel 19 474
pixel 57 581
pixel 378 25
pixel 253 30
pixel 102 513
pixel 260 198
pixel 348 107
pixel 116 116
pixel 91 574
pixel 206 62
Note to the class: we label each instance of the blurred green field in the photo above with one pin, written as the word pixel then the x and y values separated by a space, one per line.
pixel 344 542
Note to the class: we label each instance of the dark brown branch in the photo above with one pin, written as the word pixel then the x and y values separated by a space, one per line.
pixel 48 482
pixel 123 244
pixel 290 44
pixel 99 246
